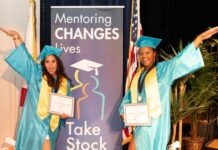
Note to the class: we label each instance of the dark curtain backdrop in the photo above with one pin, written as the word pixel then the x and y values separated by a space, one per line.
pixel 170 20
pixel 174 20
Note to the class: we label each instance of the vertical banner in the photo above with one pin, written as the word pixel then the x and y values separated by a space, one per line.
pixel 92 40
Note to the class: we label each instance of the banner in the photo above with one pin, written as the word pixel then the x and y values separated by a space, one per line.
pixel 92 40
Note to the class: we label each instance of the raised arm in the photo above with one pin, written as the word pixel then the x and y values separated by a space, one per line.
pixel 205 35
pixel 13 34
pixel 20 59
pixel 188 60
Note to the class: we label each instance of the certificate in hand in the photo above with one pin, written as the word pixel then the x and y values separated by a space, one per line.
pixel 136 115
pixel 61 105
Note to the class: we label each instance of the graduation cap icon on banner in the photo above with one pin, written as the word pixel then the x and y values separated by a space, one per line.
pixel 87 65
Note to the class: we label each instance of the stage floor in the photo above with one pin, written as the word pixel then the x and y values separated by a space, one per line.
pixel 213 144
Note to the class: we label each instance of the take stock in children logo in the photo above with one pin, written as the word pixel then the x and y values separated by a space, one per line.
pixel 86 130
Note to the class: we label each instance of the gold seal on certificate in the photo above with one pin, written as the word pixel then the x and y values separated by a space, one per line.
pixel 61 105
pixel 136 115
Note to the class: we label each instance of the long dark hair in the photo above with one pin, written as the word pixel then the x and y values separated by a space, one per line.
pixel 60 72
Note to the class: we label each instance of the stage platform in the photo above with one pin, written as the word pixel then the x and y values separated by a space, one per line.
pixel 212 145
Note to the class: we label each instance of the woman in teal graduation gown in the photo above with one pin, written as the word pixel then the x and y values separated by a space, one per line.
pixel 38 129
pixel 152 84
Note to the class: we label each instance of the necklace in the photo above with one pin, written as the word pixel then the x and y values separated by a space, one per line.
pixel 141 81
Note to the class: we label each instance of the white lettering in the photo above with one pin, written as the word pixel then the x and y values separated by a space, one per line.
pixel 57 35
pixel 76 144
pixel 70 124
pixel 81 19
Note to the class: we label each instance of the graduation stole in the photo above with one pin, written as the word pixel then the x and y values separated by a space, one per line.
pixel 151 91
pixel 44 99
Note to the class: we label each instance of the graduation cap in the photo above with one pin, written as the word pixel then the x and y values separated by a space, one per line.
pixel 48 50
pixel 146 41
pixel 87 65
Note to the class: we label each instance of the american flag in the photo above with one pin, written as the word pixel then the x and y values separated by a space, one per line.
pixel 132 62
pixel 135 32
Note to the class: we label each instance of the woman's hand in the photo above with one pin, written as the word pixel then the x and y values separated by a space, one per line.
pixel 122 117
pixel 205 35
pixel 11 148
pixel 14 34
pixel 64 116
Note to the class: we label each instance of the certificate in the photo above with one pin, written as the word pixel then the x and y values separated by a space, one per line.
pixel 61 105
pixel 136 115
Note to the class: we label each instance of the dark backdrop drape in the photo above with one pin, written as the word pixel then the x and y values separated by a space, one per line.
pixel 172 20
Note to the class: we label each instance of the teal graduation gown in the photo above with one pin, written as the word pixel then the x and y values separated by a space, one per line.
pixel 156 136
pixel 32 130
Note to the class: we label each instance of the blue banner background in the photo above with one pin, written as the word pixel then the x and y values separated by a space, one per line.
pixel 98 125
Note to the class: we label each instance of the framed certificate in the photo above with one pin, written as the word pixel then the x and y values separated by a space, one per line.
pixel 61 105
pixel 136 115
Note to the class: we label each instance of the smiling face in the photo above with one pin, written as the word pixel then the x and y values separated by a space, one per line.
pixel 147 56
pixel 51 65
